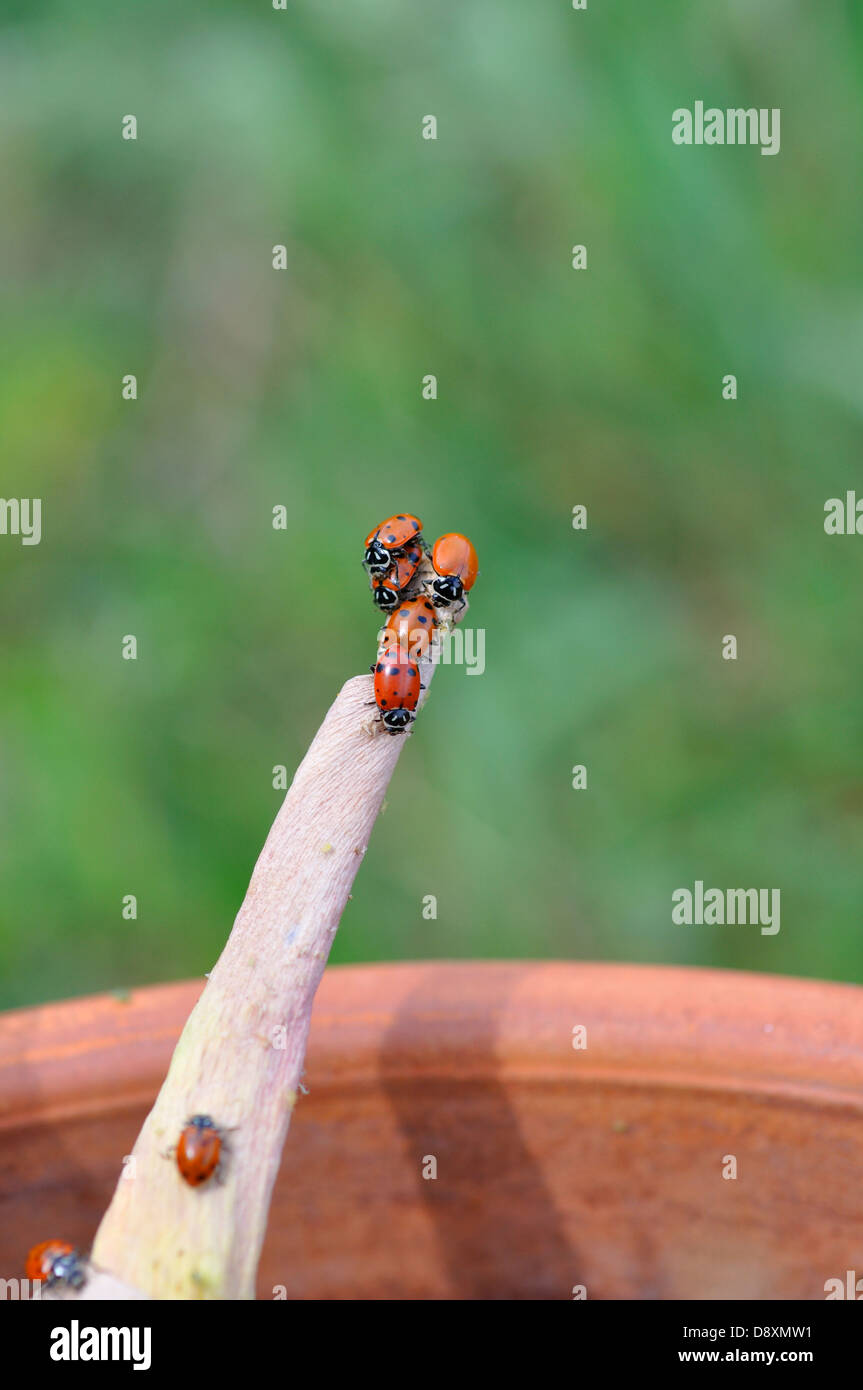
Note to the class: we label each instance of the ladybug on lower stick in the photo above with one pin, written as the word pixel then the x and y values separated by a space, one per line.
pixel 397 687
pixel 388 540
pixel 55 1262
pixel 199 1150
pixel 455 563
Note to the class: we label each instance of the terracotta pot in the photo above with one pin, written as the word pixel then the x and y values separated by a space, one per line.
pixel 556 1166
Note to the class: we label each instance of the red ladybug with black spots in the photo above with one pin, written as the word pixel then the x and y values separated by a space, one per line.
pixel 397 687
pixel 199 1150
pixel 387 589
pixel 388 540
pixel 412 626
pixel 55 1262
pixel 456 566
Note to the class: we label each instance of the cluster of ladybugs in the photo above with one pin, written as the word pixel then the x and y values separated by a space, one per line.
pixel 417 597
pixel 198 1153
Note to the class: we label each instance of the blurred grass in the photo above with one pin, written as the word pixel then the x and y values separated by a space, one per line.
pixel 303 388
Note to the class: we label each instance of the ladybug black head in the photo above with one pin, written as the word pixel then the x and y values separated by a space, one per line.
pixel 68 1269
pixel 447 589
pixel 395 721
pixel 201 1122
pixel 385 598
pixel 377 558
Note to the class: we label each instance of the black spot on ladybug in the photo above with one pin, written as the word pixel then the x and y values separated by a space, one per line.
pixel 379 668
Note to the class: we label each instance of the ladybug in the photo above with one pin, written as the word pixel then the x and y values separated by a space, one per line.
pixel 199 1150
pixel 397 687
pixel 385 591
pixel 389 540
pixel 455 563
pixel 387 588
pixel 412 625
pixel 55 1262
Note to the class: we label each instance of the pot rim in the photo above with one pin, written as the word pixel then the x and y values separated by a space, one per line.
pixel 466 1021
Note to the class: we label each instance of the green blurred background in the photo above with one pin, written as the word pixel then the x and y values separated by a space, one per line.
pixel 556 387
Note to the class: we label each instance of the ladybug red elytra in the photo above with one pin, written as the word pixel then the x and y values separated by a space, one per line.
pixel 397 687
pixel 456 565
pixel 412 626
pixel 388 540
pixel 54 1262
pixel 199 1150
pixel 387 588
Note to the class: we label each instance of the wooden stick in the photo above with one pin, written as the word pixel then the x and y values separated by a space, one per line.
pixel 240 1057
